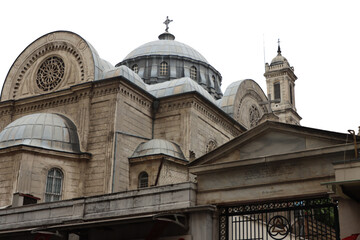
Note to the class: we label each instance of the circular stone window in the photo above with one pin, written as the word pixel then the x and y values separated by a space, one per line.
pixel 50 73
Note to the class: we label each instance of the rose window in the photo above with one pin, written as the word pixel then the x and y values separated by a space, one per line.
pixel 50 73
pixel 254 116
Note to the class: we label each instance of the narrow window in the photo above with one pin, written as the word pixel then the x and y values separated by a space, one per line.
pixel 277 91
pixel 291 94
pixel 54 183
pixel 135 68
pixel 163 69
pixel 193 73
pixel 143 180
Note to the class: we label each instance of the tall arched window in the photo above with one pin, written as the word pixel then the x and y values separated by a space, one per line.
pixel 143 180
pixel 54 183
pixel 164 68
pixel 135 68
pixel 193 73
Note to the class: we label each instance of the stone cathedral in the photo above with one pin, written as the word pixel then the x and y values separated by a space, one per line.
pixel 151 148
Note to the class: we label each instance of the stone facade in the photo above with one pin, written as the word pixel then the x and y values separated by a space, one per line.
pixel 160 155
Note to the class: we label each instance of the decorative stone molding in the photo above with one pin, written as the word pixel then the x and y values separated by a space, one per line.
pixel 254 116
pixel 73 59
pixel 254 95
pixel 212 144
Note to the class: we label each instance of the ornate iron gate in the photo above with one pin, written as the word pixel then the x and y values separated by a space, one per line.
pixel 288 220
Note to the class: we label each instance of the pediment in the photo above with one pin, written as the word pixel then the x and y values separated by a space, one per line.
pixel 271 139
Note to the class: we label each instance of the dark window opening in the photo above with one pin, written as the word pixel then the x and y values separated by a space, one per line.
pixel 143 180
pixel 277 91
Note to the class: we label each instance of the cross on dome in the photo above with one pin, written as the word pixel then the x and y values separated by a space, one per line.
pixel 279 50
pixel 167 22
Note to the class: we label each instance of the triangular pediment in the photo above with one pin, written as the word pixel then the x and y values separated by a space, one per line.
pixel 271 139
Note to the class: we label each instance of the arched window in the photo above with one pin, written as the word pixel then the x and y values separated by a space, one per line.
pixel 193 73
pixel 135 68
pixel 54 183
pixel 164 69
pixel 143 180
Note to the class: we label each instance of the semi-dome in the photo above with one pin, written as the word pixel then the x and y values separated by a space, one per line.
pixel 158 146
pixel 45 130
pixel 166 59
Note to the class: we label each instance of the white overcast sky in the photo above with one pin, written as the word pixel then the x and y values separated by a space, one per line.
pixel 320 39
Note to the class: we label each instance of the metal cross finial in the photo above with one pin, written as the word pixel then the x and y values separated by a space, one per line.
pixel 269 102
pixel 167 21
pixel 279 50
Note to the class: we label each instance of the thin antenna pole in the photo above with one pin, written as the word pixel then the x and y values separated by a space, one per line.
pixel 264 49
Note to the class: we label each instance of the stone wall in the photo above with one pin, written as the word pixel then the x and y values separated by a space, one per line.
pixel 8 178
pixel 192 123
pixel 24 170
pixel 133 125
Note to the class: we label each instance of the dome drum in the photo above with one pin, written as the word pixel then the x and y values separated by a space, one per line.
pixel 167 59
pixel 149 68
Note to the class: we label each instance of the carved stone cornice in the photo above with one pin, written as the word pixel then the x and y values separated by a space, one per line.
pixel 38 150
pixel 282 72
pixel 73 95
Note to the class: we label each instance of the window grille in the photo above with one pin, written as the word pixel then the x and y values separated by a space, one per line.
pixel 54 183
pixel 163 69
pixel 193 73
pixel 135 68
pixel 143 180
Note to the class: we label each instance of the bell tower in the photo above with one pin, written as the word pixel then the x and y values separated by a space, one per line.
pixel 280 82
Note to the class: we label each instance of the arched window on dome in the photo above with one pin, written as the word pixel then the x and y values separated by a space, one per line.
pixel 54 182
pixel 193 73
pixel 135 68
pixel 143 180
pixel 213 79
pixel 164 69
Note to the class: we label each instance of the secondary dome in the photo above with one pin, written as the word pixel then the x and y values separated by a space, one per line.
pixel 279 59
pixel 158 146
pixel 166 59
pixel 45 130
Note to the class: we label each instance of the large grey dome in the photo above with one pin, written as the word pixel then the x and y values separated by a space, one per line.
pixel 166 47
pixel 45 130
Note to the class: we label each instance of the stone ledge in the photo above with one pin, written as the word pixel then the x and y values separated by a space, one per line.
pixel 125 204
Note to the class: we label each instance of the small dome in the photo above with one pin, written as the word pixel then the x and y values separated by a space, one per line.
pixel 166 47
pixel 45 130
pixel 279 59
pixel 158 146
